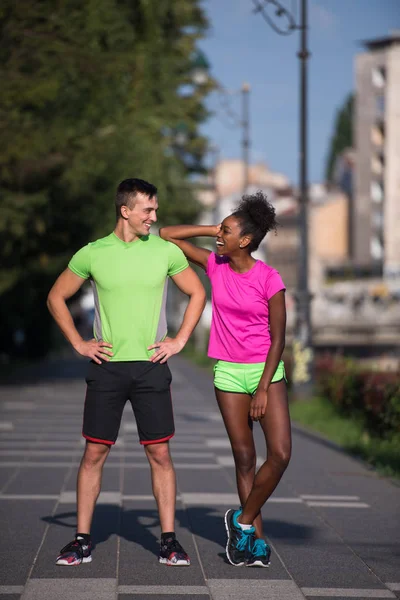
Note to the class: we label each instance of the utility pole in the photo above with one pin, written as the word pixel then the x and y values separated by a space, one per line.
pixel 246 134
pixel 302 347
pixel 303 356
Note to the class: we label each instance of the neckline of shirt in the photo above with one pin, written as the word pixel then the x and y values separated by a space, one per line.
pixel 245 272
pixel 126 244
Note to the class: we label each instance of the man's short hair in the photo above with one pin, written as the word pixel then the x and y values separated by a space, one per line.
pixel 127 191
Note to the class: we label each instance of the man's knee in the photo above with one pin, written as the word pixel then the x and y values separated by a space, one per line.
pixel 95 454
pixel 158 455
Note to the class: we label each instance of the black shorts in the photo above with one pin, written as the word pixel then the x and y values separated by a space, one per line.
pixel 145 384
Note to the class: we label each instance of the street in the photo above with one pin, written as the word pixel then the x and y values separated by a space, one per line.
pixel 333 524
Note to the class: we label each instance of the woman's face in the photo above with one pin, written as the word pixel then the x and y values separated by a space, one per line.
pixel 229 238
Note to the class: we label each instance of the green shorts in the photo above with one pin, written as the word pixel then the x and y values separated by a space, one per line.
pixel 243 378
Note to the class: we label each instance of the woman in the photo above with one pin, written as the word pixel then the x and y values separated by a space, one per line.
pixel 247 338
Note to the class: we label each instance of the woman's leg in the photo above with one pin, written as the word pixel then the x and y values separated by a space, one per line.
pixel 276 428
pixel 235 408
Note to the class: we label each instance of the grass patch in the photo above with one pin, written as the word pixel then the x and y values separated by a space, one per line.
pixel 349 433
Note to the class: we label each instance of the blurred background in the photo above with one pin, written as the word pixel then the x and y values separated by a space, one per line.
pixel 208 100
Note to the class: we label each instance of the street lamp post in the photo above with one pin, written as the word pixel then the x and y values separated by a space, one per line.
pixel 214 152
pixel 302 344
pixel 241 120
pixel 246 134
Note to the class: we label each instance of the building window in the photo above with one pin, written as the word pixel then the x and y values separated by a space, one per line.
pixel 377 135
pixel 377 165
pixel 379 77
pixel 377 220
pixel 376 248
pixel 377 192
pixel 380 105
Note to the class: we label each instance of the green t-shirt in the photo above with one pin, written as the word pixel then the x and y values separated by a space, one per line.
pixel 129 282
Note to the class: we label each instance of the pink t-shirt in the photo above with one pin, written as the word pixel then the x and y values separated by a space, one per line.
pixel 240 324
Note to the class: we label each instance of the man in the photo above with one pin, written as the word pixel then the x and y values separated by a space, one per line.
pixel 128 271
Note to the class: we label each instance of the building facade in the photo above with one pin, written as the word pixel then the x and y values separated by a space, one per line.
pixel 376 208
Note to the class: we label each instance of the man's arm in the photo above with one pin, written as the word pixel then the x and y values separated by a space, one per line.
pixel 189 283
pixel 66 286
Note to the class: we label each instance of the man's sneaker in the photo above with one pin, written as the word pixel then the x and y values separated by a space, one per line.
pixel 75 553
pixel 260 554
pixel 172 554
pixel 240 541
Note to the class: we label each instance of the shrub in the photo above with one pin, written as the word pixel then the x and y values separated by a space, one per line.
pixel 375 396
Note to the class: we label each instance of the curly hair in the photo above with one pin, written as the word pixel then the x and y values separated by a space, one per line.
pixel 256 216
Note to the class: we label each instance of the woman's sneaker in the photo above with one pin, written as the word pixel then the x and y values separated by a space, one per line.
pixel 260 554
pixel 172 554
pixel 75 553
pixel 240 541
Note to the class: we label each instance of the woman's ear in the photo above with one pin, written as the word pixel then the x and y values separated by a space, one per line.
pixel 245 241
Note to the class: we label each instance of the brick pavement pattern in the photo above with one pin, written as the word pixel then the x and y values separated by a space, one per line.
pixel 332 523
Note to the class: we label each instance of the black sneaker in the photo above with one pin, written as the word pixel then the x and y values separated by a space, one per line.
pixel 240 541
pixel 172 554
pixel 260 554
pixel 75 553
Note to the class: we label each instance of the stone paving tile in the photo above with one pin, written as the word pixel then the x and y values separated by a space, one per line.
pixel 5 474
pixel 236 589
pixel 49 481
pixel 207 481
pixel 140 535
pixel 61 531
pixel 21 532
pixel 54 589
pixel 163 596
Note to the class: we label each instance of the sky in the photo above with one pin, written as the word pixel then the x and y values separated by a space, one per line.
pixel 242 47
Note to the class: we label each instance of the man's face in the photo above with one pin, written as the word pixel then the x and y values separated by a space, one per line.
pixel 142 215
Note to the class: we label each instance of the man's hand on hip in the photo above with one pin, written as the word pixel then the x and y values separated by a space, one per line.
pixel 165 349
pixel 94 350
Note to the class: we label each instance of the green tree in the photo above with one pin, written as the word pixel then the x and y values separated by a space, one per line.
pixel 92 94
pixel 342 137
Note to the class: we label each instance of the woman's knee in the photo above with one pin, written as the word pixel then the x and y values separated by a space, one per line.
pixel 280 457
pixel 245 457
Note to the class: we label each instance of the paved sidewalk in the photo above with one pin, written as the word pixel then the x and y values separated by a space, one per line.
pixel 332 523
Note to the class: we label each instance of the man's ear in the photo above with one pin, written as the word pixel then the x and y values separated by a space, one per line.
pixel 124 212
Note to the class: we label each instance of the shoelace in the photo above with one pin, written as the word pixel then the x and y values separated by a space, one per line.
pixel 175 546
pixel 259 548
pixel 245 539
pixel 75 545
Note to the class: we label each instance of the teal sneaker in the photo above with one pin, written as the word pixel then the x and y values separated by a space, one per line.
pixel 240 541
pixel 260 554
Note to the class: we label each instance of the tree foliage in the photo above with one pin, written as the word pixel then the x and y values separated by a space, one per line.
pixel 342 137
pixel 92 94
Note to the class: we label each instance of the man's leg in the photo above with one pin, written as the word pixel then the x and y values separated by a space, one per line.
pixel 164 489
pixel 106 395
pixel 88 489
pixel 163 480
pixel 155 421
pixel 89 483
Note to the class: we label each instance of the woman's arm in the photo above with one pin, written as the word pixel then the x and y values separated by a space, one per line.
pixel 178 234
pixel 277 321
